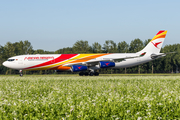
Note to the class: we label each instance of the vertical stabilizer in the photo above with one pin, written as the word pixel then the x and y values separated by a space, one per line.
pixel 154 46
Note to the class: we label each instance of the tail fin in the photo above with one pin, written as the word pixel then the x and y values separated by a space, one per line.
pixel 154 46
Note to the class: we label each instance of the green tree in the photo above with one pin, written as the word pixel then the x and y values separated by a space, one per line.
pixel 39 51
pixel 67 50
pixel 23 47
pixel 146 42
pixel 28 49
pixel 96 47
pixel 81 47
pixel 123 47
pixel 1 54
pixel 136 45
pixel 171 61
pixel 110 46
pixel 19 48
pixel 9 50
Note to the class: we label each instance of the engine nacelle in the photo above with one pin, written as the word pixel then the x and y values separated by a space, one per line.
pixel 76 68
pixel 105 64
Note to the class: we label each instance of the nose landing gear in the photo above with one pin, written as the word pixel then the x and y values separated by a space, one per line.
pixel 20 73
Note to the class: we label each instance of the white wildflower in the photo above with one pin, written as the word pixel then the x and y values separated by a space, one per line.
pixel 149 105
pixel 128 111
pixel 71 110
pixel 139 118
pixel 79 116
pixel 14 112
pixel 159 104
pixel 159 117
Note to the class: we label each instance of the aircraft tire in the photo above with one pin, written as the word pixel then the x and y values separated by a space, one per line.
pixel 96 74
pixel 86 73
pixel 91 74
pixel 81 74
pixel 21 74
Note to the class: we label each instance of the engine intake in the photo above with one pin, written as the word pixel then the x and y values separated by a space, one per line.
pixel 76 68
pixel 106 64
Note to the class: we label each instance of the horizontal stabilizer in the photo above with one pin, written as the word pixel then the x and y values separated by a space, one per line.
pixel 155 56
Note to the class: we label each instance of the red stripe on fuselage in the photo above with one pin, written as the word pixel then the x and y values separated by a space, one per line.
pixel 61 58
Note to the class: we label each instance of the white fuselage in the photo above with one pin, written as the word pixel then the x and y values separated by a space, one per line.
pixel 63 61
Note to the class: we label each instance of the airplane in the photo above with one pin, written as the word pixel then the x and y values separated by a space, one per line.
pixel 88 64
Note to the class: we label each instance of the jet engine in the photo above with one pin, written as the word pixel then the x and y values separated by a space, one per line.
pixel 105 64
pixel 76 68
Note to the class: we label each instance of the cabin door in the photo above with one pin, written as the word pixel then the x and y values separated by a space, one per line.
pixel 20 61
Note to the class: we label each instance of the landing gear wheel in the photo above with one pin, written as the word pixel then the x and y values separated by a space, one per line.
pixel 81 74
pixel 91 74
pixel 86 73
pixel 20 73
pixel 96 74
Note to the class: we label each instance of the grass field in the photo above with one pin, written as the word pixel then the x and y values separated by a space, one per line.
pixel 102 97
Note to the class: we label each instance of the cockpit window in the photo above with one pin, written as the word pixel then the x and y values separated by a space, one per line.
pixel 10 59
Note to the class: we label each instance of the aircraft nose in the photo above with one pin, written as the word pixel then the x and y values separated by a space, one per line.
pixel 5 64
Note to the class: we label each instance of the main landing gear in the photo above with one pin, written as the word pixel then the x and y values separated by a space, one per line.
pixel 89 73
pixel 20 73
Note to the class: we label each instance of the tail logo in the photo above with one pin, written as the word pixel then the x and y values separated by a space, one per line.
pixel 156 44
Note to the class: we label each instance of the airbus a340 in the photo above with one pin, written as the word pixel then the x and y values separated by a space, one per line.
pixel 88 64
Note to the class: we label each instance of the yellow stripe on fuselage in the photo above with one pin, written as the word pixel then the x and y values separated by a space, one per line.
pixel 81 57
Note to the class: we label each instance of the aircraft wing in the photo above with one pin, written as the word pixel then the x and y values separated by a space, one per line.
pixel 96 61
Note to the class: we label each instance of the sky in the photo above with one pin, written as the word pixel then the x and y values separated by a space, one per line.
pixel 54 24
